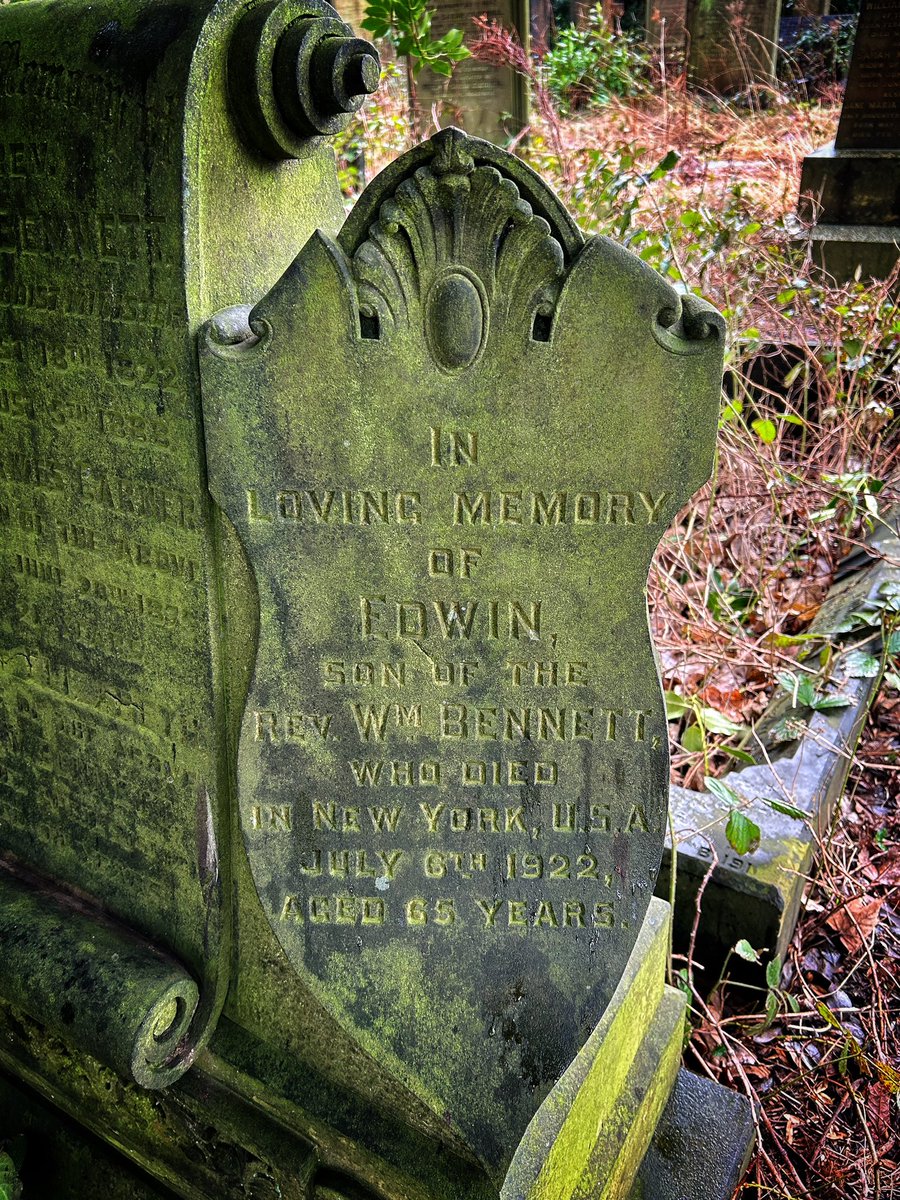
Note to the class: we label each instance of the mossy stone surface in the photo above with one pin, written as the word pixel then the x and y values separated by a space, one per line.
pixel 449 442
pixel 442 452
pixel 120 224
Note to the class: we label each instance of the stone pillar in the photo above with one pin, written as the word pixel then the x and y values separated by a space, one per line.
pixel 733 43
pixel 851 189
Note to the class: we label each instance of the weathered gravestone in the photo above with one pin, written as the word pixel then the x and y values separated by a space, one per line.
pixel 666 24
pixel 487 101
pixel 332 804
pixel 732 47
pixel 851 189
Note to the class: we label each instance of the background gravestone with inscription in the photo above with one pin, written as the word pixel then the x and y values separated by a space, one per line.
pixel 333 766
pixel 850 191
pixel 487 101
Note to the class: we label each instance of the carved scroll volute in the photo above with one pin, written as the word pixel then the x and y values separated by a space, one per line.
pixel 449 442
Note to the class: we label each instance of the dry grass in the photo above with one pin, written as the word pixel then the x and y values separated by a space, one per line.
pixel 821 1067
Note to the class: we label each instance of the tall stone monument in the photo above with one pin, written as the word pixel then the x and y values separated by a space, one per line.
pixel 850 190
pixel 487 101
pixel 333 769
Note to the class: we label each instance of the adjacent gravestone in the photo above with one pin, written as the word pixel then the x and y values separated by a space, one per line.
pixel 666 24
pixel 486 100
pixel 340 792
pixel 851 189
pixel 732 47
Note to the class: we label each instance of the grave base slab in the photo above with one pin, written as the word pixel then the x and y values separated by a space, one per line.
pixel 757 896
pixel 701 1146
pixel 621 1117
pixel 591 1133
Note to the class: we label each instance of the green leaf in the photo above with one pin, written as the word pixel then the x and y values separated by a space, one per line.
pixel 742 833
pixel 771 1008
pixel 732 409
pixel 744 950
pixel 825 702
pixel 781 640
pixel 721 791
pixel 844 1058
pixel 773 971
pixel 676 706
pixel 717 722
pixel 692 739
pixel 827 1015
pixel 741 755
pixel 857 664
pixel 788 729
pixel 789 810
pixel 669 162
pixel 764 429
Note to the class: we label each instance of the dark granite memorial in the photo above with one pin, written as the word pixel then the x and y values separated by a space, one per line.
pixel 333 775
pixel 850 191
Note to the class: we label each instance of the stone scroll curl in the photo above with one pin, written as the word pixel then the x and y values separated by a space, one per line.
pixel 449 442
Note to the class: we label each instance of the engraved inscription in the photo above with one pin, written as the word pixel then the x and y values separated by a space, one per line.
pixel 106 730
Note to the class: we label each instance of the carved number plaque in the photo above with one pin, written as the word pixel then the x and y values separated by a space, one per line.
pixel 450 443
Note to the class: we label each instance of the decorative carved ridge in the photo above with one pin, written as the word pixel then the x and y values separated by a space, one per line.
pixel 444 247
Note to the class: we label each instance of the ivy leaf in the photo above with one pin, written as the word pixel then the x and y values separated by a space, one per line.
pixel 742 833
pixel 860 665
pixel 744 950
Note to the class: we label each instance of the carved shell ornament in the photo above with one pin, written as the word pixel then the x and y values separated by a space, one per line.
pixel 457 241
pixel 455 249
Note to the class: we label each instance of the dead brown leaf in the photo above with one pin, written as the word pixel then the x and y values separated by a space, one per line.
pixel 856 921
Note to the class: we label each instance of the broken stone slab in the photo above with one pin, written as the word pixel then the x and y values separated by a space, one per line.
pixel 757 896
